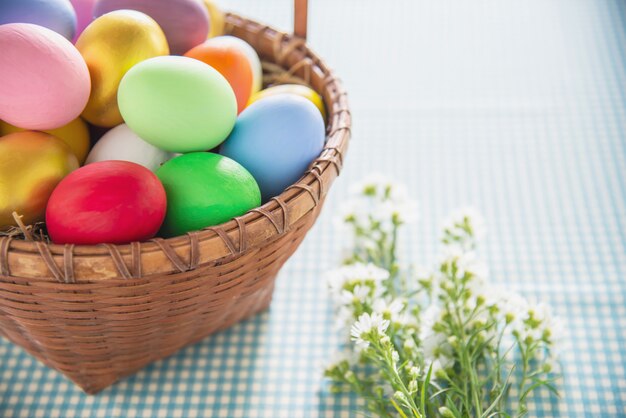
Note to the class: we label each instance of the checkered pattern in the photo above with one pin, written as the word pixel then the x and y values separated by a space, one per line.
pixel 517 107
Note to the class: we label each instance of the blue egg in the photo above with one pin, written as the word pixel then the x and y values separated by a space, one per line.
pixel 275 139
pixel 57 15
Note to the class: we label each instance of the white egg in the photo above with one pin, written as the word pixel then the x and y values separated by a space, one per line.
pixel 120 143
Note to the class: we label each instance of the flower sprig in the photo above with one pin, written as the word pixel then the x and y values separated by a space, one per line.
pixel 441 342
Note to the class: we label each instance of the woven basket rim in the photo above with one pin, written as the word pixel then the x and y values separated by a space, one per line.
pixel 314 181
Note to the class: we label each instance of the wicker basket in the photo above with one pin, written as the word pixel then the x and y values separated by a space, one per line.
pixel 98 313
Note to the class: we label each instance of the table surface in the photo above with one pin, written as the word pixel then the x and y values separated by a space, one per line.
pixel 515 107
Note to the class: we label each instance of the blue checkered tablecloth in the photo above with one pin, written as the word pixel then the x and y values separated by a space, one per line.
pixel 517 107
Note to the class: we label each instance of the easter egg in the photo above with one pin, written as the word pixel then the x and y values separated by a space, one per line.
pixel 111 45
pixel 178 104
pixel 184 22
pixel 113 202
pixel 31 165
pixel 56 15
pixel 216 17
pixel 75 135
pixel 44 81
pixel 120 143
pixel 84 15
pixel 231 62
pixel 276 139
pixel 253 57
pixel 205 189
pixel 297 89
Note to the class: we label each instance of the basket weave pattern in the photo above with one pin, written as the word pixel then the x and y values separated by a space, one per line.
pixel 98 313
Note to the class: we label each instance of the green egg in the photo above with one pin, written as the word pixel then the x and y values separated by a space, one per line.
pixel 205 189
pixel 178 104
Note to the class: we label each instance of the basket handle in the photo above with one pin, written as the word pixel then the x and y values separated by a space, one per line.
pixel 300 18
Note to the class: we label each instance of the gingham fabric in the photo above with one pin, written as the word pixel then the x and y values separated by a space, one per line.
pixel 515 107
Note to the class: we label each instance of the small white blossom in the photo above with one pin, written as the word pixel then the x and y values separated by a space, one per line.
pixel 365 325
pixel 464 228
pixel 389 309
pixel 341 356
pixel 354 274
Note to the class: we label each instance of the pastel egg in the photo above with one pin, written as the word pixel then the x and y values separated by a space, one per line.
pixel 184 22
pixel 84 15
pixel 216 17
pixel 111 45
pixel 205 189
pixel 297 89
pixel 178 104
pixel 31 165
pixel 75 135
pixel 253 58
pixel 44 81
pixel 120 143
pixel 231 62
pixel 113 202
pixel 276 139
pixel 56 15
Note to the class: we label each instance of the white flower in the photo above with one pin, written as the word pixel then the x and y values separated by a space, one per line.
pixel 465 262
pixel 341 356
pixel 434 344
pixel 344 317
pixel 359 293
pixel 464 227
pixel 354 274
pixel 365 325
pixel 511 306
pixel 390 309
pixel 377 200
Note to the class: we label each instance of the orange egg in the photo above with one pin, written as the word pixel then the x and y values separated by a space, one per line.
pixel 232 63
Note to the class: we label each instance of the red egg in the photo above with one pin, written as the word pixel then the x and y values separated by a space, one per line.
pixel 232 63
pixel 113 202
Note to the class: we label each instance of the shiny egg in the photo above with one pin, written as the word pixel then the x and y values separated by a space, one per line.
pixel 75 134
pixel 184 22
pixel 297 89
pixel 44 81
pixel 31 165
pixel 216 17
pixel 111 45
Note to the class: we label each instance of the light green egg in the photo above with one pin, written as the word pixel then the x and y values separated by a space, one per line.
pixel 178 104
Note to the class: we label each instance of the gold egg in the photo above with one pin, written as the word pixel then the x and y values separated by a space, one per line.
pixel 111 45
pixel 75 134
pixel 31 165
pixel 216 18
pixel 297 89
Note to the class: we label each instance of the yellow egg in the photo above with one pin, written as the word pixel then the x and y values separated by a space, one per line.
pixel 31 165
pixel 304 91
pixel 111 45
pixel 75 134
pixel 216 17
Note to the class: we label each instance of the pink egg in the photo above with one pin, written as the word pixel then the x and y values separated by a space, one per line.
pixel 44 81
pixel 84 15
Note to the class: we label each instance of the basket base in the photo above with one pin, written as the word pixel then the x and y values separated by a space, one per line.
pixel 92 383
